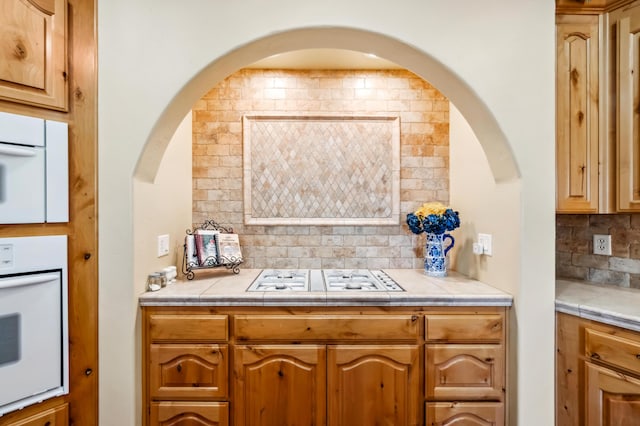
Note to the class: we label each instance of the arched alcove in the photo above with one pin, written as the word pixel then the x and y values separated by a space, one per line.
pixel 492 139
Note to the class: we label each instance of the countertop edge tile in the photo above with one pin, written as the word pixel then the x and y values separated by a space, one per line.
pixel 619 307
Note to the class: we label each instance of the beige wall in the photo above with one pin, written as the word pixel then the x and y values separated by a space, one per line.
pixel 494 60
pixel 218 162
pixel 159 207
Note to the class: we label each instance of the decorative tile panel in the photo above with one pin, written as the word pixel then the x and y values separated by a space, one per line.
pixel 321 170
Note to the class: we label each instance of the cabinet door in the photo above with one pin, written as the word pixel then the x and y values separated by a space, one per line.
pixel 189 414
pixel 464 372
pixel 188 371
pixel 628 102
pixel 465 413
pixel 373 385
pixel 577 114
pixel 279 385
pixel 33 44
pixel 613 399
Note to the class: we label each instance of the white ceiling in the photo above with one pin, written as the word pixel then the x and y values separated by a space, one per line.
pixel 324 59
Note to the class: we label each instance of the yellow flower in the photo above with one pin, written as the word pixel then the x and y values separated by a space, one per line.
pixel 430 208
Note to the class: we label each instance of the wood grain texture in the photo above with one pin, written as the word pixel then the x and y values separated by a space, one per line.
pixel 595 390
pixel 628 117
pixel 465 413
pixel 323 327
pixel 279 385
pixel 189 371
pixel 613 399
pixel 373 384
pixel 464 328
pixel 342 375
pixel 465 372
pixel 569 371
pixel 577 110
pixel 208 328
pixel 189 414
pixel 57 416
pixel 33 52
pixel 81 115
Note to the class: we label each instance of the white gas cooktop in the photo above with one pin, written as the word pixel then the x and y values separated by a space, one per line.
pixel 351 280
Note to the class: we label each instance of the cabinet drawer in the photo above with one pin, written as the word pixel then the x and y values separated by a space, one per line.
pixel 189 413
pixel 58 416
pixel 188 327
pixel 613 350
pixel 463 413
pixel 464 328
pixel 324 327
pixel 188 371
pixel 464 372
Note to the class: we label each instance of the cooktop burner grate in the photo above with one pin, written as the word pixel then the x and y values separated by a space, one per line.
pixel 353 280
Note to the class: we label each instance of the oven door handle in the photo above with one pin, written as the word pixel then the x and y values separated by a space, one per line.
pixel 17 151
pixel 25 280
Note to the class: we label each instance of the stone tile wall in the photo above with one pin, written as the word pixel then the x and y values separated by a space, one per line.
pixel 217 162
pixel 574 248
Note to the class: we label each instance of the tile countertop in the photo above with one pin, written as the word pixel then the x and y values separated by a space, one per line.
pixel 221 287
pixel 610 305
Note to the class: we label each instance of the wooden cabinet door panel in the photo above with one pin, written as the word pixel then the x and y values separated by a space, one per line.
pixel 464 372
pixel 465 414
pixel 577 126
pixel 33 49
pixel 277 385
pixel 628 119
pixel 189 414
pixel 613 399
pixel 373 385
pixel 188 371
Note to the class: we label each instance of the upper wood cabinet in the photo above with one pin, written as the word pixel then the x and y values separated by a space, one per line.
pixel 577 109
pixel 33 52
pixel 627 44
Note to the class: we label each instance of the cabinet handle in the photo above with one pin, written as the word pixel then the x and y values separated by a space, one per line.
pixel 595 356
pixel 638 356
pixel 179 368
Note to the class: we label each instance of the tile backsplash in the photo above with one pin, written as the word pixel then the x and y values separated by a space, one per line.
pixel 218 162
pixel 574 248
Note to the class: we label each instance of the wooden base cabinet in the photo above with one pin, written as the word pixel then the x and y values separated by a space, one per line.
pixel 598 374
pixel 270 366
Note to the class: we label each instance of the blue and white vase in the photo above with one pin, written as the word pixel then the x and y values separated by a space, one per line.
pixel 435 254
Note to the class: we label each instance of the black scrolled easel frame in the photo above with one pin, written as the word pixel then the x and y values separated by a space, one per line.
pixel 231 263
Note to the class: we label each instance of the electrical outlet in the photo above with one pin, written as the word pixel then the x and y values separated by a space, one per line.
pixel 602 244
pixel 163 245
pixel 485 240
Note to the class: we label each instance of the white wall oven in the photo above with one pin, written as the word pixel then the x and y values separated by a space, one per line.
pixel 34 176
pixel 34 351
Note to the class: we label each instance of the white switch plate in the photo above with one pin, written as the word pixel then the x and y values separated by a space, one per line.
pixel 485 240
pixel 602 244
pixel 163 245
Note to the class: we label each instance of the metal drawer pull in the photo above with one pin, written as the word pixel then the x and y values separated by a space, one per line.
pixel 595 356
